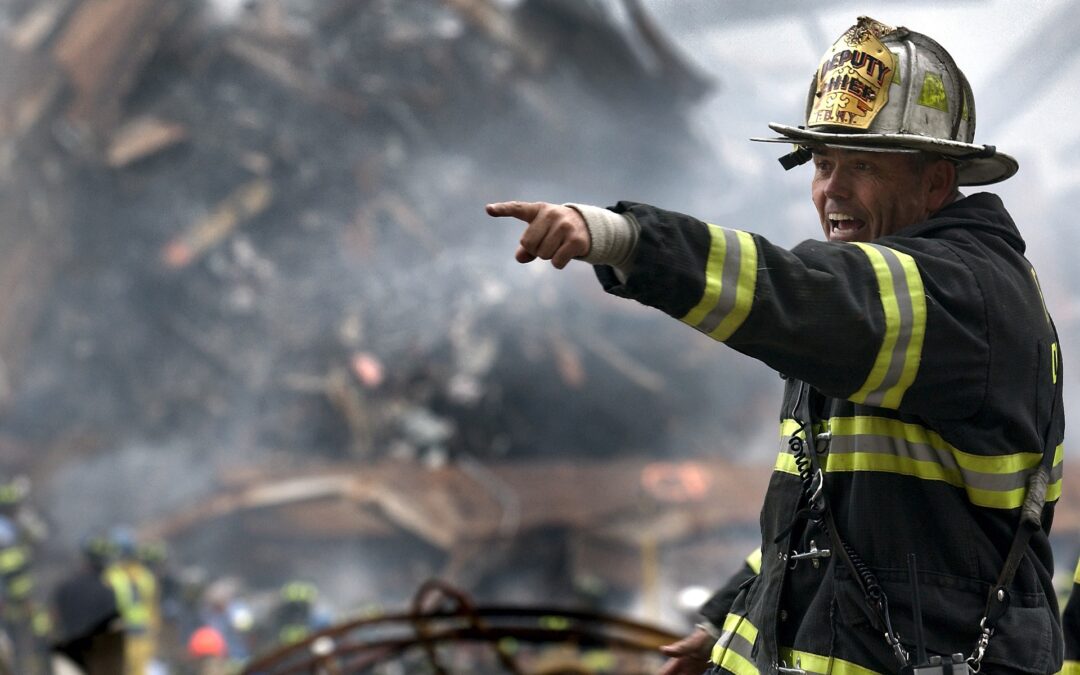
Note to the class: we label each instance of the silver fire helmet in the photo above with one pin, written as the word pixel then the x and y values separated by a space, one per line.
pixel 884 89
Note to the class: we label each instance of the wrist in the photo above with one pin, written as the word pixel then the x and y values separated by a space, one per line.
pixel 613 236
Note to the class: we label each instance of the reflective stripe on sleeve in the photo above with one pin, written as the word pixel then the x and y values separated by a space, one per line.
pixel 1070 668
pixel 733 650
pixel 730 279
pixel 1076 573
pixel 867 443
pixel 903 301
pixel 821 665
pixel 753 561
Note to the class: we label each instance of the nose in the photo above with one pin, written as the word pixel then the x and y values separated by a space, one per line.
pixel 837 185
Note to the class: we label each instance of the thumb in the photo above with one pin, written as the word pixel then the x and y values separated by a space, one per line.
pixel 675 648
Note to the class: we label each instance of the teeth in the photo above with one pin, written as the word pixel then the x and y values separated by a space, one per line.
pixel 840 216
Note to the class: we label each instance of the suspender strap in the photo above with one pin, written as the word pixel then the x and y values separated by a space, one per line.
pixel 877 604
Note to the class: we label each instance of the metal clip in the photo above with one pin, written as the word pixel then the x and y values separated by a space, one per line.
pixel 975 660
pixel 814 555
pixel 782 668
pixel 818 485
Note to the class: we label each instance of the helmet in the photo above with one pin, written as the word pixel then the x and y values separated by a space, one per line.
pixel 97 549
pixel 206 642
pixel 153 553
pixel 888 89
pixel 301 592
pixel 123 541
pixel 14 491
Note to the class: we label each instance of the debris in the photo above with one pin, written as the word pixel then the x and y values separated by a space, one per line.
pixel 103 48
pixel 141 137
pixel 243 204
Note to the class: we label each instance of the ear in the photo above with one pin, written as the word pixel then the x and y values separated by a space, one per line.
pixel 940 179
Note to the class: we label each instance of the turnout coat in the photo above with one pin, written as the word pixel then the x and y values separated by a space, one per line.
pixel 936 370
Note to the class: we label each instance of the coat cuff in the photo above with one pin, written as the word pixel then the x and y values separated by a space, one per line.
pixel 614 237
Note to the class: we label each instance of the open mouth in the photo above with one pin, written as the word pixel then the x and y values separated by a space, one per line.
pixel 844 226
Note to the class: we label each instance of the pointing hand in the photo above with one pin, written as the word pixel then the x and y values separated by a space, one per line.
pixel 555 233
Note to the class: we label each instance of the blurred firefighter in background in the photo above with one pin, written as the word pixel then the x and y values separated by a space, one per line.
pixel 297 615
pixel 137 600
pixel 24 621
pixel 922 413
pixel 1070 623
pixel 88 627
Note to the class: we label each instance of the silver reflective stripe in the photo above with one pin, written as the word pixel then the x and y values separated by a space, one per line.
pixel 880 444
pixel 729 283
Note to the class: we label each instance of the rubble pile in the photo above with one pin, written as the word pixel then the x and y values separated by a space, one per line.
pixel 248 239
pixel 260 225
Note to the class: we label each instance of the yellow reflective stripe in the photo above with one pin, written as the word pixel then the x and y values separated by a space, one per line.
pixel 892 323
pixel 822 665
pixel 903 301
pixel 861 425
pixel 713 271
pixel 135 613
pixel 1076 574
pixel 19 587
pixel 860 461
pixel 740 625
pixel 730 281
pixel 753 561
pixel 13 558
pixel 867 443
pixel 737 632
pixel 737 664
pixel 1054 362
pixel 1070 668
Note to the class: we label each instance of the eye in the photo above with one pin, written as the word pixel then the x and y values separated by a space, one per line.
pixel 822 165
pixel 864 166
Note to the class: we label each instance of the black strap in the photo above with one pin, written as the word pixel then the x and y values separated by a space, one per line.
pixel 1030 520
pixel 877 604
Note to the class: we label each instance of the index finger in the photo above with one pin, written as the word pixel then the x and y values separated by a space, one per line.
pixel 521 210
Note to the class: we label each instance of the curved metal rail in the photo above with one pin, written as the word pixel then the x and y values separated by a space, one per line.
pixel 442 616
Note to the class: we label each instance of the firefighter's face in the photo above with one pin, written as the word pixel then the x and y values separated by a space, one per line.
pixel 861 196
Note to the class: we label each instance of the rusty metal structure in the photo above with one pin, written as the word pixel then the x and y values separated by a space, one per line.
pixel 442 621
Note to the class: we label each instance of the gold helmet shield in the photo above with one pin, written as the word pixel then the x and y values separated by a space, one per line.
pixel 853 78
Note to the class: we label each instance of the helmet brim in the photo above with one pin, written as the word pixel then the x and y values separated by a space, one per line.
pixel 976 164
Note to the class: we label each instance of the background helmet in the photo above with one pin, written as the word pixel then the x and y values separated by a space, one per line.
pixel 888 89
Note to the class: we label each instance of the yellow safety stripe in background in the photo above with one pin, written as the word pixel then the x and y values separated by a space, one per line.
pixel 1076 574
pixel 867 443
pixel 13 558
pixel 903 300
pixel 730 280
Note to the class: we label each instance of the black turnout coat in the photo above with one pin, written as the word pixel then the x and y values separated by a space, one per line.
pixel 935 367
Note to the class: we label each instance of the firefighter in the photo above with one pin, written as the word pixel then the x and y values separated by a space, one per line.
pixel 922 412
pixel 22 618
pixel 88 619
pixel 137 599
pixel 1070 622
pixel 297 615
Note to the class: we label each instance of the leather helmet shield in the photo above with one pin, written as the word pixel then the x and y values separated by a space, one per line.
pixel 853 79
